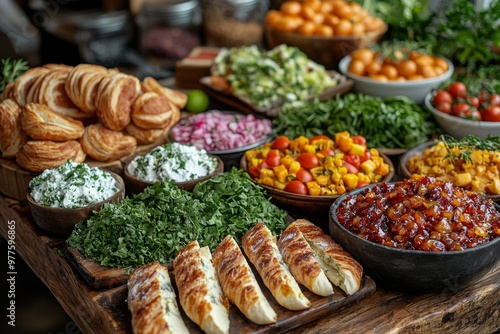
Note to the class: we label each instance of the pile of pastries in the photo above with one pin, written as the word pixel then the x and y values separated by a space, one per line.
pixel 57 112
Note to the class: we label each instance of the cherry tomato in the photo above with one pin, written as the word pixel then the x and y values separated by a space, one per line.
pixel 461 109
pixel 281 143
pixel 327 152
pixel 494 100
pixel 491 114
pixel 476 114
pixel 441 97
pixel 353 159
pixel 273 158
pixel 366 156
pixel 350 168
pixel 358 139
pixel 457 89
pixel 444 107
pixel 297 187
pixel 304 175
pixel 473 101
pixel 254 172
pixel 318 137
pixel 483 96
pixel 262 165
pixel 308 160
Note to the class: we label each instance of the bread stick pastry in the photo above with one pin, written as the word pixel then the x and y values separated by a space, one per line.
pixel 151 111
pixel 12 135
pixel 239 284
pixel 23 84
pixel 42 123
pixel 145 136
pixel 301 260
pixel 152 302
pixel 339 266
pixel 38 155
pixel 260 247
pixel 178 98
pixel 103 144
pixel 200 294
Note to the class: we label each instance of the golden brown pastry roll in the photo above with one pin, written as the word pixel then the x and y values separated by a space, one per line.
pixel 151 111
pixel 152 302
pixel 178 98
pixel 8 92
pixel 38 155
pixel 144 136
pixel 12 135
pixel 239 283
pixel 54 67
pixel 82 84
pixel 200 294
pixel 114 99
pixel 301 260
pixel 23 84
pixel 260 247
pixel 104 144
pixel 339 266
pixel 42 123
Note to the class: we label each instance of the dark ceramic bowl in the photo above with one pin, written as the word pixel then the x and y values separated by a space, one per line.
pixel 315 205
pixel 61 221
pixel 413 270
pixel 135 186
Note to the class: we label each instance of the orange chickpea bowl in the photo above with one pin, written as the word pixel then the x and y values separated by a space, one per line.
pixel 325 31
pixel 414 87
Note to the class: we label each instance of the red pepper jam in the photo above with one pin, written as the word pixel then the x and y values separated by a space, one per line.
pixel 421 214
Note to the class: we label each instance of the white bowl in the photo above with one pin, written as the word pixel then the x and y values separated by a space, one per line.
pixel 458 127
pixel 415 90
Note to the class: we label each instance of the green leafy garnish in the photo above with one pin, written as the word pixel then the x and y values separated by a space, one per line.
pixel 11 70
pixel 468 144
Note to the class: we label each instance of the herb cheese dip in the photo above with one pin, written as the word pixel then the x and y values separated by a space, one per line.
pixel 72 185
pixel 173 161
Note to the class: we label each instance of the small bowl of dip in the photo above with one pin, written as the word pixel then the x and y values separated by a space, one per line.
pixel 184 164
pixel 61 197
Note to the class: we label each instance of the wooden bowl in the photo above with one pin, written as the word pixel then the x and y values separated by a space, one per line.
pixel 135 186
pixel 315 205
pixel 61 221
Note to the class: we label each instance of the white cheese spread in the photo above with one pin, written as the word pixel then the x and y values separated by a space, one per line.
pixel 174 161
pixel 72 185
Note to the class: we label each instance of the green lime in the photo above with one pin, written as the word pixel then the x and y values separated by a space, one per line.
pixel 197 101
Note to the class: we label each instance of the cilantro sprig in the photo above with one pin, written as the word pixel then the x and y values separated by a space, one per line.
pixel 11 69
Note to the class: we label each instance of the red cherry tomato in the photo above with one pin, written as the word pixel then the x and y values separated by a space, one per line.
pixel 281 143
pixel 442 96
pixel 491 114
pixel 262 165
pixel 473 101
pixel 318 137
pixel 350 168
pixel 483 97
pixel 444 107
pixel 494 100
pixel 353 159
pixel 475 114
pixel 254 172
pixel 308 160
pixel 461 109
pixel 327 152
pixel 358 139
pixel 366 156
pixel 273 158
pixel 304 175
pixel 297 187
pixel 458 89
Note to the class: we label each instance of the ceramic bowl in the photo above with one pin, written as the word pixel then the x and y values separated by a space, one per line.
pixel 307 204
pixel 414 270
pixel 327 51
pixel 403 170
pixel 415 90
pixel 61 221
pixel 460 127
pixel 135 186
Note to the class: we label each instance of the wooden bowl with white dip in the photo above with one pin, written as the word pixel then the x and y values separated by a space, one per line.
pixel 188 170
pixel 61 221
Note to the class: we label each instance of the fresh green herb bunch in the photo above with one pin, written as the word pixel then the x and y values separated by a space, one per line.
pixel 468 144
pixel 10 71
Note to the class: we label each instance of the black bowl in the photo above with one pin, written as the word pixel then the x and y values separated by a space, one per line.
pixel 414 270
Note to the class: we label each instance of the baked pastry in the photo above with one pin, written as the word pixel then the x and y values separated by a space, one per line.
pixel 8 92
pixel 116 94
pixel 152 302
pixel 260 247
pixel 151 111
pixel 339 266
pixel 239 283
pixel 144 136
pixel 178 98
pixel 38 155
pixel 42 123
pixel 23 84
pixel 300 258
pixel 82 84
pixel 103 144
pixel 52 67
pixel 200 294
pixel 12 135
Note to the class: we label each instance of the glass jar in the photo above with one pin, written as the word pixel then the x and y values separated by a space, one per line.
pixel 169 29
pixel 232 23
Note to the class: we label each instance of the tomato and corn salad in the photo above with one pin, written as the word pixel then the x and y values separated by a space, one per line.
pixel 318 166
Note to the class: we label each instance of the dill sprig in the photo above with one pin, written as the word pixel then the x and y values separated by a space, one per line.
pixel 11 69
pixel 468 144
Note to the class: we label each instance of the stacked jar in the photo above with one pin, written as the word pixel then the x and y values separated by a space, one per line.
pixel 232 23
pixel 169 29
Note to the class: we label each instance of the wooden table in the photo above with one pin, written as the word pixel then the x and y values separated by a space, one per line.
pixel 475 309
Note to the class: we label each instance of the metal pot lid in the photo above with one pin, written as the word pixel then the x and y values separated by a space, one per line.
pixel 105 22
